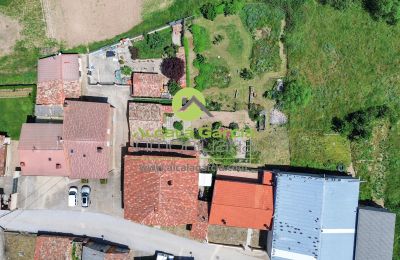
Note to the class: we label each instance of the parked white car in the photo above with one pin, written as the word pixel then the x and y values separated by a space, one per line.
pixel 85 194
pixel 72 196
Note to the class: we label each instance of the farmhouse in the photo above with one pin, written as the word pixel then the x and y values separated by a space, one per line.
pixel 79 148
pixel 242 199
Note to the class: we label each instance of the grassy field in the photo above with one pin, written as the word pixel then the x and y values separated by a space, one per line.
pixel 15 112
pixel 351 62
pixel 20 66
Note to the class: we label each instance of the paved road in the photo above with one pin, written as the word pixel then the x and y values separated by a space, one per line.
pixel 138 237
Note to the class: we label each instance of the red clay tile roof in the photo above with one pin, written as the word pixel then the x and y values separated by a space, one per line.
pixel 240 204
pixel 41 148
pixel 87 127
pixel 58 78
pixel 144 116
pixel 53 248
pixel 161 190
pixel 148 84
pixel 3 153
pixel 200 226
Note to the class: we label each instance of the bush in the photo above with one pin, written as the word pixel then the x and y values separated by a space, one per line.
pixel 233 126
pixel 173 68
pixel 154 40
pixel 201 38
pixel 265 56
pixel 259 15
pixel 209 11
pixel 359 124
pixel 296 94
pixel 125 70
pixel 387 10
pixel 134 52
pixel 246 74
pixel 233 7
pixel 222 150
pixel 213 105
pixel 173 87
pixel 254 111
pixel 178 125
pixel 170 51
pixel 218 39
pixel 216 125
pixel 338 4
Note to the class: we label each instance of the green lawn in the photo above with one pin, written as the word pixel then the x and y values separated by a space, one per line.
pixel 145 52
pixel 15 114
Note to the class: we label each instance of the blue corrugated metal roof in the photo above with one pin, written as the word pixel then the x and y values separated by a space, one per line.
pixel 314 217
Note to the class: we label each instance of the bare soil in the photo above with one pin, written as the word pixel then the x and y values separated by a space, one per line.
pixel 9 33
pixel 80 22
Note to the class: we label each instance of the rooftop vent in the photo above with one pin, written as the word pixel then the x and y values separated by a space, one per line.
pixel 169 183
pixel 22 164
pixel 49 159
pixel 99 149
pixel 58 166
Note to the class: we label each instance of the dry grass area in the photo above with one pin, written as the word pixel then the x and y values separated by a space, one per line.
pixel 240 117
pixel 80 22
pixel 150 6
pixel 227 235
pixel 10 31
pixel 19 246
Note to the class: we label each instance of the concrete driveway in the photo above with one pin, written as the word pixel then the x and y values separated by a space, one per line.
pixel 142 239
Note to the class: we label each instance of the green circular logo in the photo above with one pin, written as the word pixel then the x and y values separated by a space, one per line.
pixel 189 104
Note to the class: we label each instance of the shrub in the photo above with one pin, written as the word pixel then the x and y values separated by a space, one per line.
pixel 209 11
pixel 218 39
pixel 246 74
pixel 216 125
pixel 213 105
pixel 201 38
pixel 173 87
pixel 178 125
pixel 222 150
pixel 233 126
pixel 259 15
pixel 387 10
pixel 338 4
pixel 154 40
pixel 254 111
pixel 170 51
pixel 173 68
pixel 126 70
pixel 233 7
pixel 265 56
pixel 134 52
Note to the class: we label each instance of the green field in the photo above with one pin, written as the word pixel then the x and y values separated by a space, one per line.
pixel 145 52
pixel 16 112
pixel 352 63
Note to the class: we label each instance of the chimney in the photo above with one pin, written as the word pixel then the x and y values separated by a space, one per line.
pixel 267 178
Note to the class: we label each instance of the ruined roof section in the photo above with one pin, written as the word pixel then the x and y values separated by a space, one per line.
pixel 181 55
pixel 161 190
pixel 87 121
pixel 3 153
pixel 53 247
pixel 58 78
pixel 148 84
pixel 242 204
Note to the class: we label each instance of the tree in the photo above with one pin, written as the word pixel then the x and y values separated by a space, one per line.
pixel 209 11
pixel 296 94
pixel 178 125
pixel 216 125
pixel 246 74
pixel 154 40
pixel 134 52
pixel 387 10
pixel 233 6
pixel 173 68
pixel 173 87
